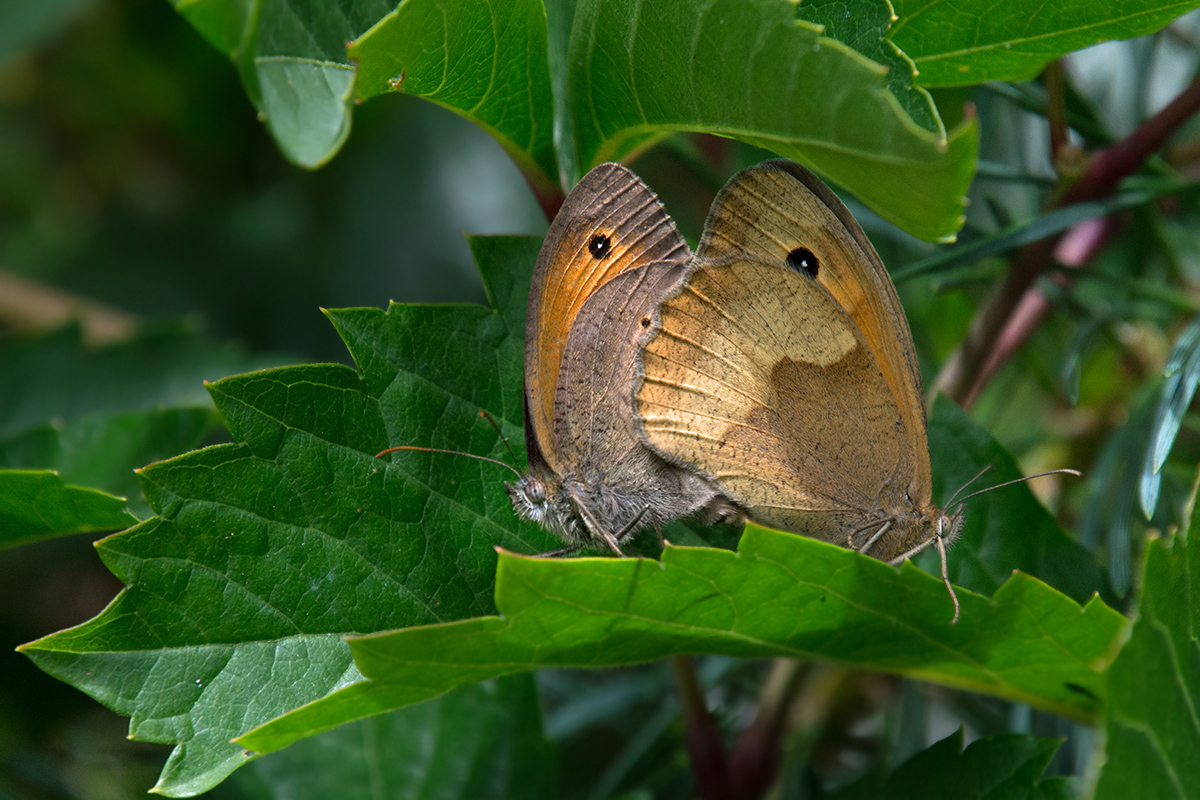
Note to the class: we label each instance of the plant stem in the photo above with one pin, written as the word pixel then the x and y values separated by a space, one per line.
pixel 977 359
pixel 1056 112
pixel 710 766
pixel 757 756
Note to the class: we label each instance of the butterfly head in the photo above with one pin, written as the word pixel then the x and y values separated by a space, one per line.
pixel 913 532
pixel 540 500
pixel 529 498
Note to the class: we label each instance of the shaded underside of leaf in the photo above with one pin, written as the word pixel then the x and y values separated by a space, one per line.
pixel 482 742
pixel 264 553
pixel 1007 529
pixel 752 71
pixel 291 56
pixel 1153 713
pixel 37 505
pixel 779 595
pixel 955 43
pixel 307 105
pixel 1010 765
pixel 487 60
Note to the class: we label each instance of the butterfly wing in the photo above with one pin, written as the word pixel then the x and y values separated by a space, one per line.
pixel 758 379
pixel 611 222
pixel 785 367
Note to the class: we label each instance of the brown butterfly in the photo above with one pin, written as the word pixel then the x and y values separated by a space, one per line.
pixel 783 370
pixel 772 376
pixel 612 254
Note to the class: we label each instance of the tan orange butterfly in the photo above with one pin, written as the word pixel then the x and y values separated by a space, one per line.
pixel 784 371
pixel 771 376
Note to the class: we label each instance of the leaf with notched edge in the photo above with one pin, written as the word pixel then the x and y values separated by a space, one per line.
pixel 1153 714
pixel 779 595
pixel 266 552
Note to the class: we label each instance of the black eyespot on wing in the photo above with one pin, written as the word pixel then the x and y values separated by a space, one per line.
pixel 645 322
pixel 599 246
pixel 802 260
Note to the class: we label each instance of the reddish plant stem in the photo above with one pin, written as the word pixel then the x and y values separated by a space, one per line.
pixel 969 369
pixel 756 758
pixel 710 765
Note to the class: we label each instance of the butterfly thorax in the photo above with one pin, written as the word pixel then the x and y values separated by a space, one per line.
pixel 617 503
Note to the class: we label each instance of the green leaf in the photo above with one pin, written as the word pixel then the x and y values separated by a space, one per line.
pixel 292 60
pixel 265 552
pixel 800 94
pixel 750 70
pixel 304 64
pixel 103 450
pixel 480 742
pixel 1152 719
pixel 779 595
pixel 955 43
pixel 1018 234
pixel 144 401
pixel 1001 766
pixel 36 505
pixel 862 25
pixel 1180 376
pixel 487 60
pixel 307 105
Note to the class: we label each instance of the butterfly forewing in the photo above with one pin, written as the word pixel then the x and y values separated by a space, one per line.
pixel 610 223
pixel 779 211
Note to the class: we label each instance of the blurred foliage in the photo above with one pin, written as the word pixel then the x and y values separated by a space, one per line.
pixel 136 172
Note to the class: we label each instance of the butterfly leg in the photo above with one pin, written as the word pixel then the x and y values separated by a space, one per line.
pixel 628 530
pixel 941 546
pixel 562 551
pixel 595 528
pixel 875 537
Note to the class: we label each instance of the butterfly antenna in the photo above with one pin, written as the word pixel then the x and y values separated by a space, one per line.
pixel 963 488
pixel 503 438
pixel 383 453
pixel 1074 472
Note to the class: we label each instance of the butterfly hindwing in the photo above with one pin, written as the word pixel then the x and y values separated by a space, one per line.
pixel 761 381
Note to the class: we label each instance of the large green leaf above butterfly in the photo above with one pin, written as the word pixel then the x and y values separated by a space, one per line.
pixel 752 71
pixel 960 42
